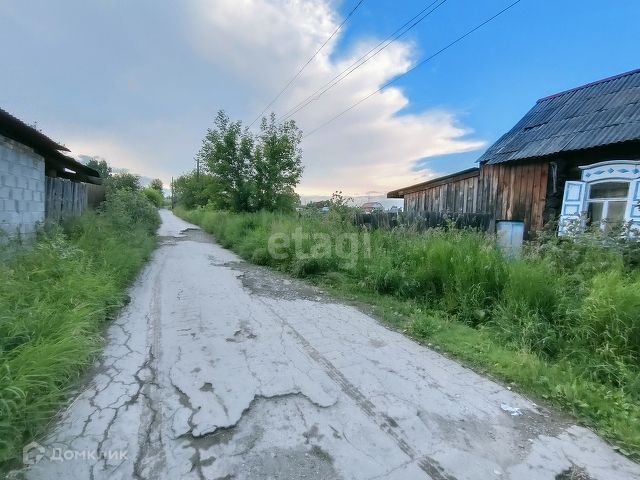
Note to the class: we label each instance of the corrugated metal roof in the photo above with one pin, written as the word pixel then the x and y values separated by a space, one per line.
pixel 401 192
pixel 15 129
pixel 593 115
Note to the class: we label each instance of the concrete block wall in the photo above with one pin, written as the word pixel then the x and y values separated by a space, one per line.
pixel 22 188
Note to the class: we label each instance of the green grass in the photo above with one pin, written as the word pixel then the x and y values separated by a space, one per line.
pixel 562 323
pixel 54 299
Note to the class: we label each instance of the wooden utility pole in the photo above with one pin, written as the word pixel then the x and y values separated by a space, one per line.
pixel 173 195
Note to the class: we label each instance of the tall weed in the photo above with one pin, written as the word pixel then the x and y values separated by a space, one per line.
pixel 54 299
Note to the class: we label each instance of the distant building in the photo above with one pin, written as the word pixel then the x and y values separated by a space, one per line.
pixel 36 179
pixel 574 154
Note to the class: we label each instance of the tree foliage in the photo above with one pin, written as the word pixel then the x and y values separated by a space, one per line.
pixel 243 172
pixel 227 155
pixel 278 165
pixel 193 189
pixel 156 184
pixel 121 181
pixel 154 196
pixel 101 165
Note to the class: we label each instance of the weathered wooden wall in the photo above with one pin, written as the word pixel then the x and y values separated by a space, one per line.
pixel 514 191
pixel 453 195
pixel 64 198
pixel 95 195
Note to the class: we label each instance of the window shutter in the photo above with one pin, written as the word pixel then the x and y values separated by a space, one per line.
pixel 572 206
pixel 633 205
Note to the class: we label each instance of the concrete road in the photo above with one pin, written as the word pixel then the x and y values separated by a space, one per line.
pixel 221 370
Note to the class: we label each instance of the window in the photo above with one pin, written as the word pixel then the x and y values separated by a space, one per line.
pixel 607 203
pixel 608 192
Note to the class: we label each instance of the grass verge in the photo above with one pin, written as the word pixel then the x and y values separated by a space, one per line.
pixel 561 324
pixel 54 299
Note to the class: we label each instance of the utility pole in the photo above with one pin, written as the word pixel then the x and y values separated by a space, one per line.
pixel 173 195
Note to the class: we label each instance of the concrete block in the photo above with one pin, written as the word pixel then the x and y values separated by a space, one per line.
pixel 8 180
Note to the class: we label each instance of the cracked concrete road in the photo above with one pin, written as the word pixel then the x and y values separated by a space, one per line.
pixel 219 369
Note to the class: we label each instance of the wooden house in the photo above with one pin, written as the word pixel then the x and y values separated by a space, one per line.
pixel 574 154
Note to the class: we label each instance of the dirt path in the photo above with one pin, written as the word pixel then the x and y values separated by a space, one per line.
pixel 219 369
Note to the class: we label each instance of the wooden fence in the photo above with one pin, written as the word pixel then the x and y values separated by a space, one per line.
pixel 64 198
pixel 424 220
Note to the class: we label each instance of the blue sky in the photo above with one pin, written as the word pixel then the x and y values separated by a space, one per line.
pixel 139 85
pixel 495 76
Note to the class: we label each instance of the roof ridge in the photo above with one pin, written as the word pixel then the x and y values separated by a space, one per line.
pixel 590 84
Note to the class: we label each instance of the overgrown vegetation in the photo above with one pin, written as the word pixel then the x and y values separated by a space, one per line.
pixel 242 172
pixel 561 323
pixel 54 299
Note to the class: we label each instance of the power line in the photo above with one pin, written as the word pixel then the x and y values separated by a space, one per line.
pixel 353 10
pixel 398 33
pixel 422 62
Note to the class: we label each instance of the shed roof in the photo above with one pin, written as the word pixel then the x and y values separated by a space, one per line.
pixel 593 115
pixel 15 129
pixel 434 182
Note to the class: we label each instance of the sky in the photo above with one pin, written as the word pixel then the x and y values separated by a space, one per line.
pixel 138 83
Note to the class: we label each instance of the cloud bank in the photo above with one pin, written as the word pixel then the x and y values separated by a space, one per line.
pixel 371 148
pixel 141 89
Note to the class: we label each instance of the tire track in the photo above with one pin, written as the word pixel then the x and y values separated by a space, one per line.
pixel 426 464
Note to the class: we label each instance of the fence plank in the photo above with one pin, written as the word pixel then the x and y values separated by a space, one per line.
pixel 64 198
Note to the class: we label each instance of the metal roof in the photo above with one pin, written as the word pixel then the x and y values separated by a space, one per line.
pixel 401 192
pixel 593 115
pixel 15 129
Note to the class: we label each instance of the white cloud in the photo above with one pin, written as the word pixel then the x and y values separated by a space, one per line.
pixel 117 155
pixel 147 108
pixel 373 147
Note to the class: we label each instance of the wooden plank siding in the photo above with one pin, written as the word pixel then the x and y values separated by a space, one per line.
pixel 455 195
pixel 514 191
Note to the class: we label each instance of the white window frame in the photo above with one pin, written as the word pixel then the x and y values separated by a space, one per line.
pixel 605 201
pixel 601 172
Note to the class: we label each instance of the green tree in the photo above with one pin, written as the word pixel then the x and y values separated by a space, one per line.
pixel 277 165
pixel 99 164
pixel 123 181
pixel 193 190
pixel 156 184
pixel 227 155
pixel 242 172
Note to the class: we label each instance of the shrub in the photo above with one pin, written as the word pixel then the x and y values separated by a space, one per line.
pixel 127 209
pixel 154 196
